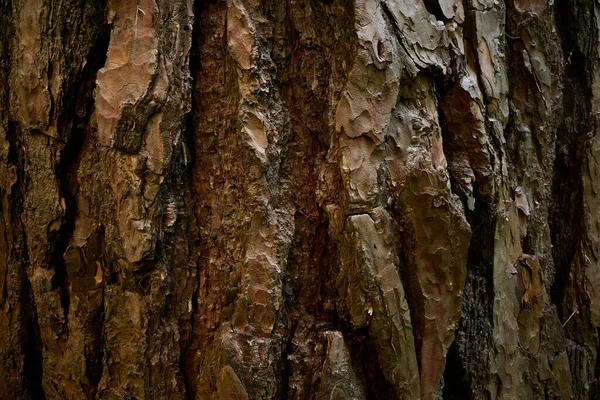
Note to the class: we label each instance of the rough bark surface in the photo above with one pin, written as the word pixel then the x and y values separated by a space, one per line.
pixel 300 199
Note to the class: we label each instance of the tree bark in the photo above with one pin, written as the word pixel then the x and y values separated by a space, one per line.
pixel 300 199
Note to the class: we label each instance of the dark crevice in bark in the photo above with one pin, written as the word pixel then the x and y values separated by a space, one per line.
pixel 566 224
pixel 81 109
pixel 310 294
pixel 172 199
pixel 364 355
pixel 479 260
pixel 565 220
pixel 32 344
pixel 189 126
pixel 93 358
pixel 597 366
pixel 32 349
pixel 576 26
pixel 27 326
pixel 95 60
pixel 475 325
pixel 188 346
pixel 596 391
pixel 433 7
pixel 186 364
pixel 66 170
pixel 455 385
pixel 327 273
pixel 408 275
pixel 474 333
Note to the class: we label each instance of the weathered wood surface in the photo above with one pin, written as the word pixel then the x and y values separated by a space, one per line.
pixel 303 199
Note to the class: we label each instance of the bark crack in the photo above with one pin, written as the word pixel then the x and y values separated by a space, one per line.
pixel 66 170
pixel 32 344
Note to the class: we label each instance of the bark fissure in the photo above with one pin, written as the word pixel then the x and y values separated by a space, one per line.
pixel 187 343
pixel 455 385
pixel 32 368
pixel 32 348
pixel 81 110
pixel 566 221
pixel 255 199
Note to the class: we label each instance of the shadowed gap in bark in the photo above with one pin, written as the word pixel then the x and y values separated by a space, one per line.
pixel 79 109
pixel 66 170
pixel 309 282
pixel 407 272
pixel 32 343
pixel 433 7
pixel 455 385
pixel 94 355
pixel 189 343
pixel 366 360
pixel 32 349
pixel 28 326
pixel 468 356
pixel 189 159
pixel 597 372
pixel 566 214
pixel 473 335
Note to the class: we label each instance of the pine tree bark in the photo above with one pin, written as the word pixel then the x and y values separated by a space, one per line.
pixel 301 199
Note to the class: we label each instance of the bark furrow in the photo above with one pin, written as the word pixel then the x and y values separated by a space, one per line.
pixel 326 199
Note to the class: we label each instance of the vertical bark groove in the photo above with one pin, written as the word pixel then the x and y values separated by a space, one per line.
pixel 301 199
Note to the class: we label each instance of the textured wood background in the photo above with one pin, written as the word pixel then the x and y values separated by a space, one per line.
pixel 301 199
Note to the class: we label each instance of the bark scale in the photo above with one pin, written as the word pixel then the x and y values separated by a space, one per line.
pixel 299 199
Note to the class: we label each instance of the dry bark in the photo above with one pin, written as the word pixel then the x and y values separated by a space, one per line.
pixel 303 199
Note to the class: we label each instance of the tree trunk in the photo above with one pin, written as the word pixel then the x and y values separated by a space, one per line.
pixel 299 199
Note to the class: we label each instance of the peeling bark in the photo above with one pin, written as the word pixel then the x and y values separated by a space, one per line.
pixel 321 199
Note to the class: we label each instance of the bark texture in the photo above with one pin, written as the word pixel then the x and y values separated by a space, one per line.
pixel 299 199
